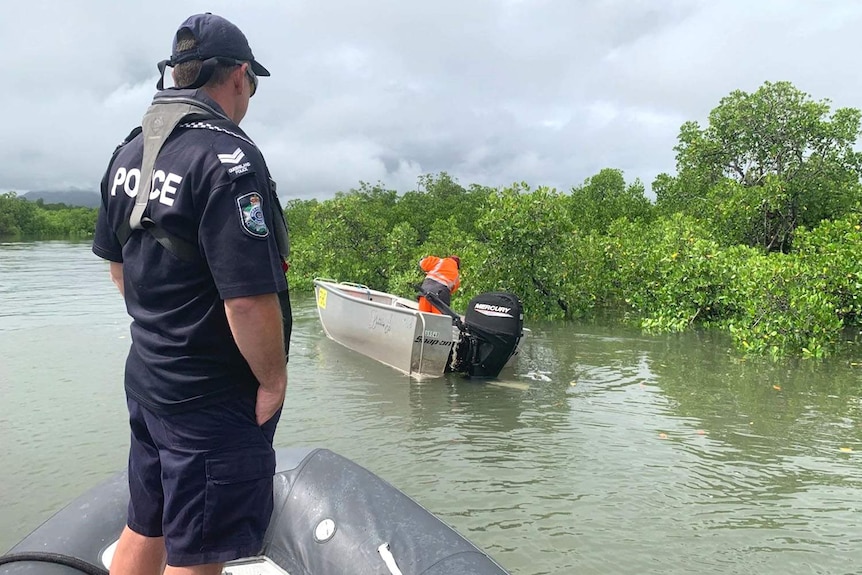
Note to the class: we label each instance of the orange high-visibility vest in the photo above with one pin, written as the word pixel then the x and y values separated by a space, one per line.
pixel 443 270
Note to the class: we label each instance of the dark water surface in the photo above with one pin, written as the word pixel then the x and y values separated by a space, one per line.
pixel 603 451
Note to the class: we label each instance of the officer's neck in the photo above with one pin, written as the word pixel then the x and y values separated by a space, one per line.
pixel 231 100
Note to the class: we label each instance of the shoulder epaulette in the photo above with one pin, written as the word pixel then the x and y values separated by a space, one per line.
pixel 214 128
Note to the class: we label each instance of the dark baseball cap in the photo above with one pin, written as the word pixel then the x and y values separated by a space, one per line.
pixel 216 38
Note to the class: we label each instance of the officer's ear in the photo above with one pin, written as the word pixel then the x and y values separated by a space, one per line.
pixel 238 79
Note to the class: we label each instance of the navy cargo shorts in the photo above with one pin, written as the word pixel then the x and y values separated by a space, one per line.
pixel 203 479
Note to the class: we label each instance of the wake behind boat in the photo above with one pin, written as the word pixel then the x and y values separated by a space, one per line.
pixel 393 331
pixel 331 517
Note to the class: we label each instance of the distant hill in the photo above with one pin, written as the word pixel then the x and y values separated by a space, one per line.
pixel 70 198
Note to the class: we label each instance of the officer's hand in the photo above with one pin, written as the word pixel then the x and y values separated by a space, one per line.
pixel 268 403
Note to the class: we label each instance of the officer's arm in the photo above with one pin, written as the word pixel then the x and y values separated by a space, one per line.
pixel 117 276
pixel 255 322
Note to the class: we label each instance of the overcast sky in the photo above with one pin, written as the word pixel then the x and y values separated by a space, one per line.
pixel 491 91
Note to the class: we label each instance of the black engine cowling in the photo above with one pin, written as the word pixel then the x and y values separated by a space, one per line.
pixel 493 327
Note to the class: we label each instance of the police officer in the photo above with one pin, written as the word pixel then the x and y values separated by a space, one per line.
pixel 196 241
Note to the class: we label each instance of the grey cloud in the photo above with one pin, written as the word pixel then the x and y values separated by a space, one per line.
pixel 491 91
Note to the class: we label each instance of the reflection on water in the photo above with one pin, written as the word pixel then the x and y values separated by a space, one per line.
pixel 602 451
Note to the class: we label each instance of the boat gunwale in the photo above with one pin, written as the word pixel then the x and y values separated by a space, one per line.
pixel 391 306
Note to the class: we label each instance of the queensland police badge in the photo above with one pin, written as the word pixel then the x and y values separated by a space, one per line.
pixel 251 215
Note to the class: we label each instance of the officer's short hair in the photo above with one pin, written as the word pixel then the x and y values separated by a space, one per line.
pixel 186 73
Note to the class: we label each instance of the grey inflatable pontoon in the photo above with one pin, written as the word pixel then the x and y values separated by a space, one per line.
pixel 331 517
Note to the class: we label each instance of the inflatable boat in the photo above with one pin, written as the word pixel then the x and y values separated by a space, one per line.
pixel 331 517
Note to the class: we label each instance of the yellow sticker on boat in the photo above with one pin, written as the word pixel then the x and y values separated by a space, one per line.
pixel 321 298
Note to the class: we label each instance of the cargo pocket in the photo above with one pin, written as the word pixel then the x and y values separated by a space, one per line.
pixel 238 498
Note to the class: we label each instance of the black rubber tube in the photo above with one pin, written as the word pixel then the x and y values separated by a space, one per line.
pixel 55 558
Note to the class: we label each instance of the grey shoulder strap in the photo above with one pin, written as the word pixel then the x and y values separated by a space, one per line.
pixel 159 122
pixel 162 117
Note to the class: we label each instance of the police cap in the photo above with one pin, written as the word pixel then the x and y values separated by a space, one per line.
pixel 215 37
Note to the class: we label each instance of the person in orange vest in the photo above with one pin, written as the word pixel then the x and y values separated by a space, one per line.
pixel 441 279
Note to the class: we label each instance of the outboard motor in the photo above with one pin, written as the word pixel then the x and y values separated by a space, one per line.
pixel 493 326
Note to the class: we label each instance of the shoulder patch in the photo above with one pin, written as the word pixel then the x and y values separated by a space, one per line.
pixel 236 163
pixel 251 215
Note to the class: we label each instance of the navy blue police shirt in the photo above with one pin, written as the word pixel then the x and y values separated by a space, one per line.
pixel 210 188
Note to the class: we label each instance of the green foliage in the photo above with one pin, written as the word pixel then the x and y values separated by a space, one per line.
pixel 20 218
pixel 346 238
pixel 767 163
pixel 402 241
pixel 371 235
pixel 441 196
pixel 667 274
pixel 604 198
pixel 304 251
pixel 9 225
pixel 664 271
pixel 784 308
pixel 528 248
pixel 834 252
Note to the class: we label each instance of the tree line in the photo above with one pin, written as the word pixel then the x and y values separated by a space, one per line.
pixel 757 234
pixel 22 218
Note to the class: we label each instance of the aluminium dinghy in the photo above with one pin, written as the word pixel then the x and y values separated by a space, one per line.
pixel 422 345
